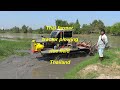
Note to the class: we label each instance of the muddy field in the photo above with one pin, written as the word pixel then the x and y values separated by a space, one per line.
pixel 29 67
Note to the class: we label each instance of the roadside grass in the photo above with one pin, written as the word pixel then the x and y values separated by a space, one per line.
pixel 22 53
pixel 111 55
pixel 9 47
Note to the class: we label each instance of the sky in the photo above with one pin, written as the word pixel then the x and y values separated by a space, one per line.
pixel 37 19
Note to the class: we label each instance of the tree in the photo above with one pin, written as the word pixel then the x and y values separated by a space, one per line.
pixel 101 25
pixel 115 29
pixel 2 30
pixel 30 30
pixel 76 27
pixel 97 25
pixel 15 29
pixel 40 31
pixel 71 24
pixel 86 29
pixel 108 29
pixel 61 23
pixel 24 29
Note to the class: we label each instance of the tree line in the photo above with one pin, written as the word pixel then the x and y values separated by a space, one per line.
pixel 93 27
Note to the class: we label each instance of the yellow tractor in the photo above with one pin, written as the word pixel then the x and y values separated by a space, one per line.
pixel 45 46
pixel 36 47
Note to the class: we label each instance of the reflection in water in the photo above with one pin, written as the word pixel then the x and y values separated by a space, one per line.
pixel 20 35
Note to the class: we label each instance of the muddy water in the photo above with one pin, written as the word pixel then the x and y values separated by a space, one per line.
pixel 21 35
pixel 28 67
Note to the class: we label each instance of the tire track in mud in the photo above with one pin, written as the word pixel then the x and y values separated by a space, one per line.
pixel 28 67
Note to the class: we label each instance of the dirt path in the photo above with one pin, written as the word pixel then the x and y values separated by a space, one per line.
pixel 28 67
pixel 100 71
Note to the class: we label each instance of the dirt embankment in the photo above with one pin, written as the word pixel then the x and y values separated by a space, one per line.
pixel 99 71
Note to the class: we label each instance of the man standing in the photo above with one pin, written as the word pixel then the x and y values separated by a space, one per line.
pixel 101 44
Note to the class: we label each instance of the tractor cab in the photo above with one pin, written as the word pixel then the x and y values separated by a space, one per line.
pixel 61 34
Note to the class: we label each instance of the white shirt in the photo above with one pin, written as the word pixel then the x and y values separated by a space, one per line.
pixel 100 43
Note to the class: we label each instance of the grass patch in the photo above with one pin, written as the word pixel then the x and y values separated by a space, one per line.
pixel 9 47
pixel 71 74
pixel 111 56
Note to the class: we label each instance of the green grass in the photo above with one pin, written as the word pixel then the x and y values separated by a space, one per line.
pixel 9 47
pixel 110 57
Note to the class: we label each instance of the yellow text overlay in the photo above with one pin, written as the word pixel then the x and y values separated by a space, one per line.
pixel 65 50
pixel 59 27
pixel 60 61
pixel 69 39
pixel 61 39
